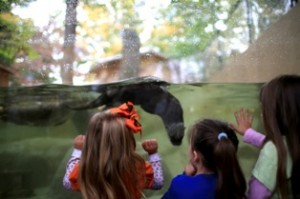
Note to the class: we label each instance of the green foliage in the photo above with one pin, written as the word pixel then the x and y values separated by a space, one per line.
pixel 191 18
pixel 6 5
pixel 14 36
pixel 14 32
pixel 185 28
pixel 125 12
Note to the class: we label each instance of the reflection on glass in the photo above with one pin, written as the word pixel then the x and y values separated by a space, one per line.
pixel 38 127
pixel 83 42
pixel 62 61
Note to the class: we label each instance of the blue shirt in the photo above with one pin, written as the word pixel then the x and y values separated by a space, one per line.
pixel 202 186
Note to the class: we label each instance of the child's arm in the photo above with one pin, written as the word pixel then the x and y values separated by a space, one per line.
pixel 151 146
pixel 257 190
pixel 254 138
pixel 244 123
pixel 74 160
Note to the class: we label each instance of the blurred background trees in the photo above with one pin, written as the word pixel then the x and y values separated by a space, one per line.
pixel 14 34
pixel 203 32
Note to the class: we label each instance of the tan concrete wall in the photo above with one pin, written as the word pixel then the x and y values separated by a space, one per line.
pixel 276 52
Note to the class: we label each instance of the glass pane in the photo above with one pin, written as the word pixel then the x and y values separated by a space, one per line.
pixel 178 61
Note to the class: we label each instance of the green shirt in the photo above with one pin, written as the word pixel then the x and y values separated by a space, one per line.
pixel 265 169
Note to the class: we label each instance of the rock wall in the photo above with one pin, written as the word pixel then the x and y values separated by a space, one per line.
pixel 276 51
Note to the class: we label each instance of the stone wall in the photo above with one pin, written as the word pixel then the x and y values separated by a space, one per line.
pixel 276 51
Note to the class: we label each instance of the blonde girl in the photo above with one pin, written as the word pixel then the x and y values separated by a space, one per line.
pixel 109 166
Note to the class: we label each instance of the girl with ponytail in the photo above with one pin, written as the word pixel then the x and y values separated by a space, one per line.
pixel 213 170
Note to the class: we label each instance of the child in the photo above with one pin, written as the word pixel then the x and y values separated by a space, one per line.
pixel 276 173
pixel 214 170
pixel 109 167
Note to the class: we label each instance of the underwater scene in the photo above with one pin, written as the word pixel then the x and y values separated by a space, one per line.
pixel 38 125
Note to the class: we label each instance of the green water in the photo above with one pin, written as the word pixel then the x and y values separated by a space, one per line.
pixel 38 127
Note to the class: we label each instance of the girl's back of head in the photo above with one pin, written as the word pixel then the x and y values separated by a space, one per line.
pixel 109 161
pixel 217 143
pixel 280 100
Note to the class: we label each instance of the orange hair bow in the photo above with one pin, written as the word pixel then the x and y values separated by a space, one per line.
pixel 128 111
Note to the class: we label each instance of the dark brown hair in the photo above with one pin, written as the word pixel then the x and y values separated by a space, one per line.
pixel 219 155
pixel 109 163
pixel 280 99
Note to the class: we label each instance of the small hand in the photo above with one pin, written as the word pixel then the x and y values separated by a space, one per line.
pixel 244 121
pixel 150 146
pixel 190 170
pixel 78 142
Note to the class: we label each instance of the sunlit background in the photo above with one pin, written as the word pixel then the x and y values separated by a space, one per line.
pixel 83 42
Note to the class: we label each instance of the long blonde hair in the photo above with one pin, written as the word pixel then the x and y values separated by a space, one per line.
pixel 108 168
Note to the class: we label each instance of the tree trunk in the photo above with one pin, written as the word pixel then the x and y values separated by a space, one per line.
pixel 69 42
pixel 131 55
pixel 250 22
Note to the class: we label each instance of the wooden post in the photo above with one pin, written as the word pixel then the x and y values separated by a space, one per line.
pixel 5 73
pixel 131 55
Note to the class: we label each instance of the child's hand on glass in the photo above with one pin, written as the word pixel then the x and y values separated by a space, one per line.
pixel 150 146
pixel 244 121
pixel 78 142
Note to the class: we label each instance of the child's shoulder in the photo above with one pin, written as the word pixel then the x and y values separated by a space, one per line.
pixel 269 145
pixel 269 150
pixel 182 178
